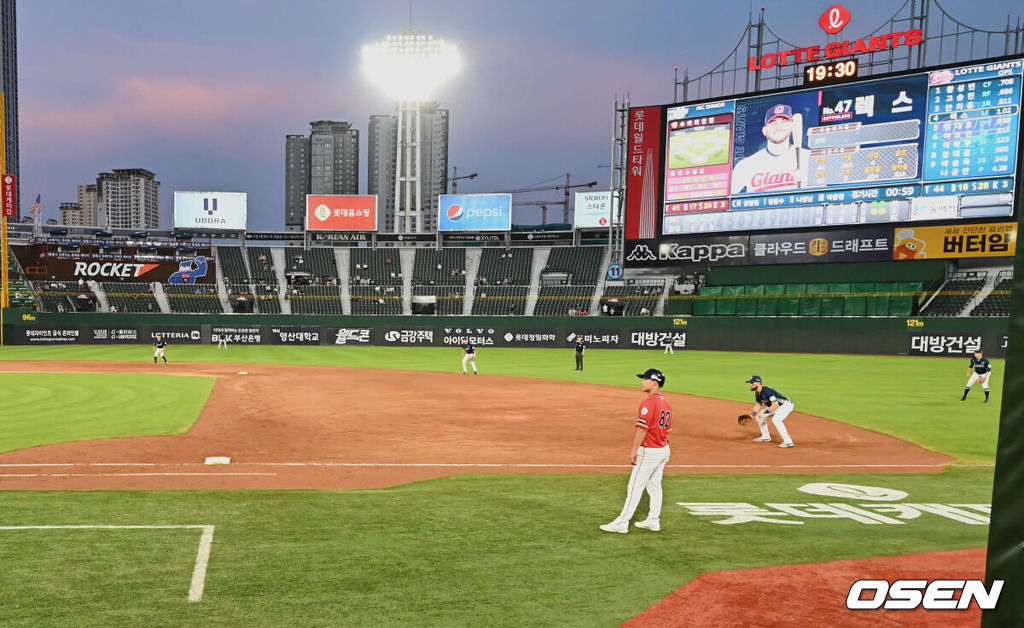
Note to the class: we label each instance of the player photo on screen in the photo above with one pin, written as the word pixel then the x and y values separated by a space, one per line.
pixel 771 155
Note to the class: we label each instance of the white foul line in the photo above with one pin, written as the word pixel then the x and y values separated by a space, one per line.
pixel 195 591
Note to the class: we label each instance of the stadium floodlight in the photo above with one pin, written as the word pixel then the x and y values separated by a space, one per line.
pixel 410 66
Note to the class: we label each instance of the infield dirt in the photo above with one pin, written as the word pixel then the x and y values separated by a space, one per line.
pixel 317 427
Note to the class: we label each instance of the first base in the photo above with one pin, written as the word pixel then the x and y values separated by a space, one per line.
pixel 218 460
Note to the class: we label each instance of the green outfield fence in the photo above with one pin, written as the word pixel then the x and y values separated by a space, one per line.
pixel 936 336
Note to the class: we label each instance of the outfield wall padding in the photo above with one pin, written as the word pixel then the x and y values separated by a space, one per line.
pixel 833 334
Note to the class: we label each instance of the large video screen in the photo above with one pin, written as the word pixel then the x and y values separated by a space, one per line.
pixel 937 145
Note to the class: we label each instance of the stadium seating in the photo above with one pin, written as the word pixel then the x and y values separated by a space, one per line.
pixel 54 296
pixel 997 303
pixel 376 267
pixel 232 264
pixel 568 280
pixel 560 300
pixel 318 262
pixel 501 300
pixel 582 264
pixel 450 299
pixel 444 267
pixel 505 267
pixel 955 295
pixel 267 301
pixel 131 297
pixel 198 298
pixel 317 299
pixel 261 263
pixel 377 299
pixel 639 299
pixel 802 299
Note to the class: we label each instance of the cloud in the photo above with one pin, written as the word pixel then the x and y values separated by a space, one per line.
pixel 178 108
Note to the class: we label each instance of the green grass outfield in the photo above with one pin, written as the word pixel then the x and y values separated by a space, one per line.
pixel 496 550
pixel 499 550
pixel 45 408
pixel 913 398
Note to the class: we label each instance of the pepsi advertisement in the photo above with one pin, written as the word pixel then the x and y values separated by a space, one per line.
pixel 475 212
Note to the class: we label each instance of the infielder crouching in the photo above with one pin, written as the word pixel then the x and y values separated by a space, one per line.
pixel 979 371
pixel 468 355
pixel 769 402
pixel 649 456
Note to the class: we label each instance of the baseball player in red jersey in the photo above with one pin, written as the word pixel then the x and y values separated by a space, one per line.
pixel 649 455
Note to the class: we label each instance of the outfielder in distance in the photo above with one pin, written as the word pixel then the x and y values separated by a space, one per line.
pixel 468 355
pixel 649 455
pixel 779 166
pixel 979 371
pixel 769 402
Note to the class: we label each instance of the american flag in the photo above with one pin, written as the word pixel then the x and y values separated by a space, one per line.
pixel 37 206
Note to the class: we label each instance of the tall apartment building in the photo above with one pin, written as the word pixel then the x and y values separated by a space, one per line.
pixel 88 204
pixel 128 198
pixel 431 143
pixel 71 215
pixel 9 85
pixel 327 162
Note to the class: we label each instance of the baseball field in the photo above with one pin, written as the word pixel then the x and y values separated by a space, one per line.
pixel 381 486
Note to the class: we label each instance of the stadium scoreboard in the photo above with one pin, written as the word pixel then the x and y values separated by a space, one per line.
pixel 927 145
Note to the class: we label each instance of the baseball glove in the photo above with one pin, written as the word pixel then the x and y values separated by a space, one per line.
pixel 744 419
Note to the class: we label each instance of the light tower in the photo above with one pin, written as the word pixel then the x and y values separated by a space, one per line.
pixel 409 67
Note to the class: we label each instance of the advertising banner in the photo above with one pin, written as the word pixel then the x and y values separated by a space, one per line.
pixel 994 239
pixel 479 336
pixel 52 335
pixel 847 245
pixel 210 210
pixel 406 237
pixel 643 168
pixel 602 338
pixel 349 335
pixel 565 237
pixel 406 336
pixel 115 335
pixel 341 212
pixel 529 337
pixel 236 334
pixel 347 236
pixel 10 195
pixel 944 344
pixel 655 339
pixel 294 335
pixel 471 237
pixel 475 212
pixel 274 235
pixel 70 267
pixel 177 334
pixel 593 210
pixel 688 251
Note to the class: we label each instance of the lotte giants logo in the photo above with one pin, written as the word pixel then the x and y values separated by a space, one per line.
pixel 834 19
pixel 935 595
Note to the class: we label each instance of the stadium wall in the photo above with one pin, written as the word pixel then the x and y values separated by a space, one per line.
pixel 935 336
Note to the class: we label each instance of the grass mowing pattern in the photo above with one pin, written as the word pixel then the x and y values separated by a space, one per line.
pixel 45 408
pixel 913 398
pixel 494 550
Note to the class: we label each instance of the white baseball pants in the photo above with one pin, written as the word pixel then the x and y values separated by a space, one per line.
pixel 469 357
pixel 647 472
pixel 978 377
pixel 778 420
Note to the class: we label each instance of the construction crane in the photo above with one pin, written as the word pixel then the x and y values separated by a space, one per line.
pixel 565 203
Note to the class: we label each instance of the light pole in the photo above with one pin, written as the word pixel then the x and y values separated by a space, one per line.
pixel 409 67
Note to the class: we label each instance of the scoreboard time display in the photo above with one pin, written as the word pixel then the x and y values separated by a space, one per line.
pixel 939 145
